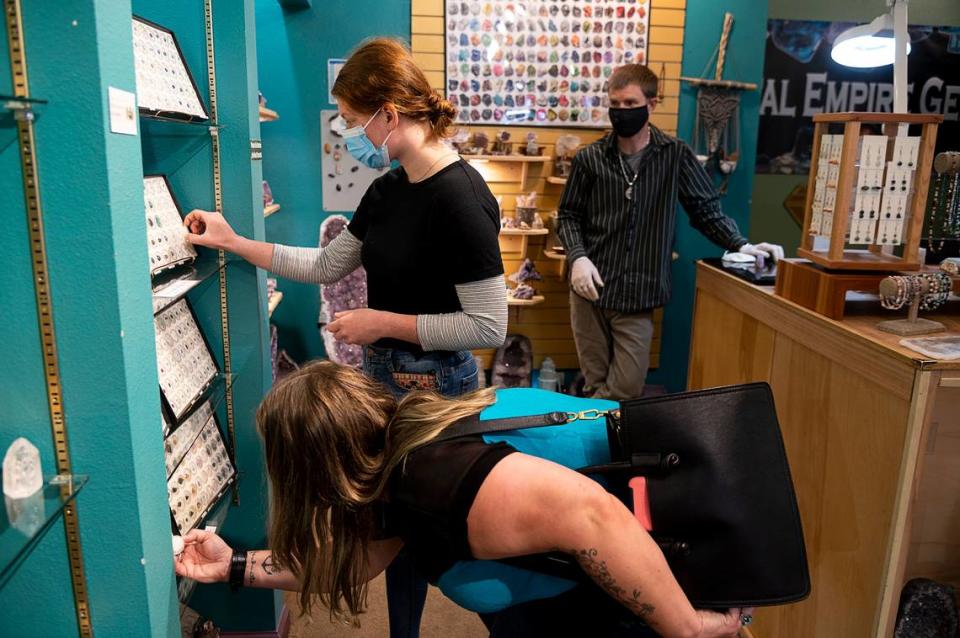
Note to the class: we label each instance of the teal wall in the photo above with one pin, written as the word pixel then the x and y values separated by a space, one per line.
pixel 93 202
pixel 769 220
pixel 704 21
pixel 292 51
pixel 91 189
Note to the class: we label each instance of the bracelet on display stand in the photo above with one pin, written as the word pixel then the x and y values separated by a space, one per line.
pixel 238 567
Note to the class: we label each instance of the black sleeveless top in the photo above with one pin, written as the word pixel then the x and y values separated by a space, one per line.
pixel 430 496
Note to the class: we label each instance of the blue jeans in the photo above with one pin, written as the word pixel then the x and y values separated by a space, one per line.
pixel 450 374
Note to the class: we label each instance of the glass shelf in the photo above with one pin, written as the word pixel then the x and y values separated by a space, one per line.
pixel 180 119
pixel 171 286
pixel 24 521
pixel 20 107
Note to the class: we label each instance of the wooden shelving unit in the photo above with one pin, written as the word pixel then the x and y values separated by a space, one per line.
pixel 270 210
pixel 509 158
pixel 268 115
pixel 552 254
pixel 274 301
pixel 524 231
pixel 524 160
pixel 537 299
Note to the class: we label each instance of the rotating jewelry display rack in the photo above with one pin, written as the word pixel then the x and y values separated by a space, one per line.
pixel 867 190
pixel 925 291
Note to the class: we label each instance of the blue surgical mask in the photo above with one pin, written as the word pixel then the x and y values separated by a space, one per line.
pixel 360 146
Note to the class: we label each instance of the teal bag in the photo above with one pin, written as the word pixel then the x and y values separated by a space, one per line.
pixel 487 586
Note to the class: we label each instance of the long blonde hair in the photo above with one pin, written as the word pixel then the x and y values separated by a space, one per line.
pixel 332 438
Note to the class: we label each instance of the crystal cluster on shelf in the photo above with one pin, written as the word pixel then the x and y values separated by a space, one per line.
pixel 347 294
pixel 164 83
pixel 22 475
pixel 185 365
pixel 527 273
pixel 166 235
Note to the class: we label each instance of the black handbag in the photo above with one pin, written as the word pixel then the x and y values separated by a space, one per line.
pixel 721 499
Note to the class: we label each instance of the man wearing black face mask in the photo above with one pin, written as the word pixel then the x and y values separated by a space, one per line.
pixel 617 221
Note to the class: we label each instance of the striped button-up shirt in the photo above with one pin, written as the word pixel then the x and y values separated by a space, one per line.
pixel 630 240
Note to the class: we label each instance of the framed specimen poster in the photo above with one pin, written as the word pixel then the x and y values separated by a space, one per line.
pixel 539 62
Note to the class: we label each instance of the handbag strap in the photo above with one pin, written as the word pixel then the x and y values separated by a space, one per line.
pixel 472 424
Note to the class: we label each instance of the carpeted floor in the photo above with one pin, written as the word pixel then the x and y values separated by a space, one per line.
pixel 441 619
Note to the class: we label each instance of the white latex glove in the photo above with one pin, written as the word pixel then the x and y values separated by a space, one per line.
pixel 584 279
pixel 763 250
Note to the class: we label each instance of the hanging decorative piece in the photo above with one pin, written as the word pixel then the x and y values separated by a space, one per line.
pixel 716 133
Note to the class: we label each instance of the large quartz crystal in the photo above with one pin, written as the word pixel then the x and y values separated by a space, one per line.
pixel 25 514
pixel 22 475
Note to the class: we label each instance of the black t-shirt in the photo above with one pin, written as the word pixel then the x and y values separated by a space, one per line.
pixel 422 239
pixel 430 496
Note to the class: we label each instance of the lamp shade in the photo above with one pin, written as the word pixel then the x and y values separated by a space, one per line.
pixel 867 45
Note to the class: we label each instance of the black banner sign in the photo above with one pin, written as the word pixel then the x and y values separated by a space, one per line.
pixel 801 80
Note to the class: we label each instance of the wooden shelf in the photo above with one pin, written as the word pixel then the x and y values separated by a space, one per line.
pixel 268 115
pixel 270 210
pixel 556 180
pixel 552 254
pixel 273 302
pixel 522 231
pixel 508 158
pixel 537 299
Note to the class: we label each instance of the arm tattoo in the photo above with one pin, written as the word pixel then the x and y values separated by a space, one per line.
pixel 269 566
pixel 252 564
pixel 597 570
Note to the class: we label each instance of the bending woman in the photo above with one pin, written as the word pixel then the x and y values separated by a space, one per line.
pixel 340 451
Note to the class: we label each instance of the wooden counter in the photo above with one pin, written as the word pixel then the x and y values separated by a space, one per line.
pixel 872 431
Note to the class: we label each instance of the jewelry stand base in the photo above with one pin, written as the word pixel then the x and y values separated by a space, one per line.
pixel 821 290
pixel 905 327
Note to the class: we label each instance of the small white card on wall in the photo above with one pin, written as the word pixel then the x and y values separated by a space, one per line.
pixel 333 70
pixel 123 111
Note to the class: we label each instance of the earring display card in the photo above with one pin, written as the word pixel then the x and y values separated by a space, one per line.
pixel 167 237
pixel 540 62
pixel 827 170
pixel 184 362
pixel 200 479
pixel 164 83
pixel 873 151
pixel 180 440
pixel 906 149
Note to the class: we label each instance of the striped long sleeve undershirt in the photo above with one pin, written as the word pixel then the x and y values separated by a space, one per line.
pixel 630 240
pixel 482 323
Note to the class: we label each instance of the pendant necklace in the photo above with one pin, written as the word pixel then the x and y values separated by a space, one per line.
pixel 623 169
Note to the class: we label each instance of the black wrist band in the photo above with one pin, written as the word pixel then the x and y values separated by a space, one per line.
pixel 238 567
